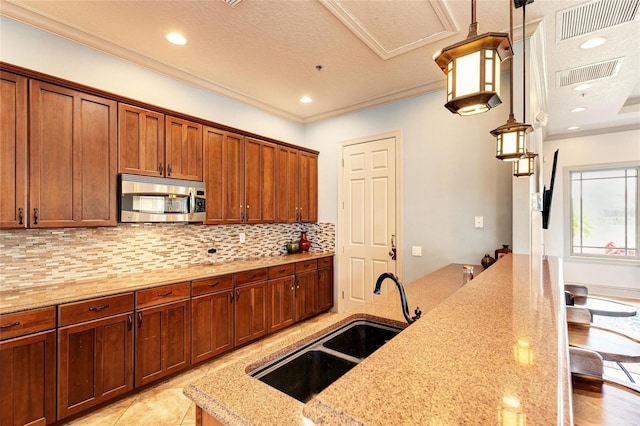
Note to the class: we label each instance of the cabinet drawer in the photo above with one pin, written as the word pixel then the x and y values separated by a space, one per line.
pixel 325 262
pixel 307 265
pixel 164 294
pixel 87 310
pixel 209 285
pixel 281 270
pixel 27 322
pixel 254 275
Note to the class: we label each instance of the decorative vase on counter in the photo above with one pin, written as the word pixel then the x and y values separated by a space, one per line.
pixel 304 243
pixel 487 261
pixel 293 247
pixel 501 252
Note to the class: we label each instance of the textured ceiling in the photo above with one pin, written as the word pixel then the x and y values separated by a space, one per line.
pixel 265 53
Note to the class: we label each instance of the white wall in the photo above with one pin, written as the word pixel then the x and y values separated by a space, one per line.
pixel 38 50
pixel 450 175
pixel 622 147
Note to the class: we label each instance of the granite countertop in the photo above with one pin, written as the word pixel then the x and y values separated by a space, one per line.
pixel 40 296
pixel 490 352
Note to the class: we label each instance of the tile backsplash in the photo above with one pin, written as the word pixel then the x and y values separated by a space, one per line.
pixel 37 257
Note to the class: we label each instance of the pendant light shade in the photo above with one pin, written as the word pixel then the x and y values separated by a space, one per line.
pixel 524 165
pixel 511 139
pixel 472 68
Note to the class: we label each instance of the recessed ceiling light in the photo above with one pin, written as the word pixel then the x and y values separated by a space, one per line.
pixel 593 42
pixel 176 38
pixel 573 128
pixel 578 109
pixel 306 100
pixel 581 87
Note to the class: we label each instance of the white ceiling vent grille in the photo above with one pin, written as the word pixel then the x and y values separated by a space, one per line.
pixel 595 16
pixel 588 72
pixel 232 3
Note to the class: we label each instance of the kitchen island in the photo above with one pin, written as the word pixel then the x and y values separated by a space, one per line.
pixel 490 352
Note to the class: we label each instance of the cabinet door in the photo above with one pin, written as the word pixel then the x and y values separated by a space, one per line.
pixel 281 293
pixel 306 294
pixel 308 189
pixel 141 141
pixel 28 380
pixel 260 181
pixel 162 341
pixel 95 362
pixel 13 151
pixel 183 151
pixel 72 158
pixel 287 185
pixel 212 325
pixel 224 176
pixel 250 312
pixel 325 289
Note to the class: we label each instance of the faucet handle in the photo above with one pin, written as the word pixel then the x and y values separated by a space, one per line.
pixel 418 313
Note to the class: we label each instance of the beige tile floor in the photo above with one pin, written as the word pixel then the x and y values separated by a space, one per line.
pixel 164 404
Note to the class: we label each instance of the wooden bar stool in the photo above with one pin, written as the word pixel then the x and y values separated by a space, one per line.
pixel 598 400
pixel 610 344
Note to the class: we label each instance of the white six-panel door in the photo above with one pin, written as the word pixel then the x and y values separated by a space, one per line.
pixel 367 220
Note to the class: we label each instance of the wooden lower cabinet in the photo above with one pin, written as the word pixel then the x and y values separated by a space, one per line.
pixel 281 293
pixel 28 380
pixel 306 294
pixel 163 344
pixel 212 325
pixel 325 284
pixel 95 362
pixel 250 313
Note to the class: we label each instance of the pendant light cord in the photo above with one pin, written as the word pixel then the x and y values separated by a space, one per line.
pixel 524 63
pixel 511 116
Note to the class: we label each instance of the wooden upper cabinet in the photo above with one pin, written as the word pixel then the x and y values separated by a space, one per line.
pixel 223 176
pixel 287 185
pixel 183 149
pixel 260 181
pixel 297 185
pixel 72 158
pixel 308 187
pixel 141 141
pixel 13 151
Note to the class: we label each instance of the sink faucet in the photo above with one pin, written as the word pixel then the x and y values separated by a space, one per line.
pixel 403 296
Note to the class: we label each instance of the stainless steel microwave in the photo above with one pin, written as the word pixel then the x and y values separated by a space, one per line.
pixel 152 199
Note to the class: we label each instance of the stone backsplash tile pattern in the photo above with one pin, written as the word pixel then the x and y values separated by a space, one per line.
pixel 37 257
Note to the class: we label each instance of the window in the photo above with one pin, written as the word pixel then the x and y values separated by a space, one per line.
pixel 604 213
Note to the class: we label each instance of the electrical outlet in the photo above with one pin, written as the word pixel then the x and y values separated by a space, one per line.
pixel 479 222
pixel 242 237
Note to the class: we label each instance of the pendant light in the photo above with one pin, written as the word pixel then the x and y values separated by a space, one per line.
pixel 524 166
pixel 472 68
pixel 511 136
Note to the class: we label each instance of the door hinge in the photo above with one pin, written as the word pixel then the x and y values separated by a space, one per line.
pixel 343 162
pixel 343 294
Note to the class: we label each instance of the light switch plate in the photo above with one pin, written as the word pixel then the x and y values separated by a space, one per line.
pixel 416 251
pixel 479 222
pixel 242 237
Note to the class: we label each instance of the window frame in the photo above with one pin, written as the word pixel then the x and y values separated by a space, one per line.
pixel 568 219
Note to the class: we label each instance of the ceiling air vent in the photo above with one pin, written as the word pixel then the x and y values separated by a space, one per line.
pixel 232 3
pixel 588 72
pixel 595 16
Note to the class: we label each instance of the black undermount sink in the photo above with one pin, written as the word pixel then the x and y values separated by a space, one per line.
pixel 308 370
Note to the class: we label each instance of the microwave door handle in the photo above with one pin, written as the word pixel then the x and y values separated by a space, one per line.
pixel 192 202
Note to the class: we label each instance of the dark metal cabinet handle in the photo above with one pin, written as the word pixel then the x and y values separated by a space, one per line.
pixel 15 324
pixel 168 169
pixel 35 215
pixel 237 295
pixel 213 284
pixel 250 277
pixel 130 322
pixel 20 215
pixel 247 214
pixel 139 319
pixel 160 169
pixel 165 294
pixel 231 297
pixel 99 308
